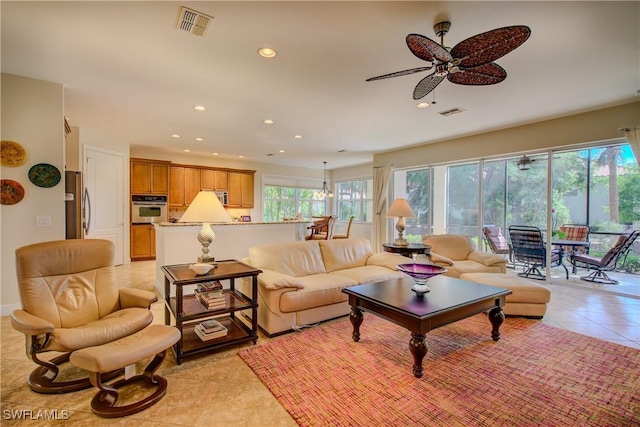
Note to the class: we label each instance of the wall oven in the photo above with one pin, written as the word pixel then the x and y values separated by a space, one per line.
pixel 148 209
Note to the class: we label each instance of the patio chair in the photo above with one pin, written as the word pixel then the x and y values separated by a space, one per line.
pixel 496 241
pixel 528 248
pixel 577 232
pixel 607 262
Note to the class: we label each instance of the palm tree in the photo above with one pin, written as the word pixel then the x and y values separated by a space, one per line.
pixel 609 157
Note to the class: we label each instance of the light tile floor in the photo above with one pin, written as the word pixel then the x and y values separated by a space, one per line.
pixel 220 390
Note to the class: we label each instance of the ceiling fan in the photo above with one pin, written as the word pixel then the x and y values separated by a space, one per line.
pixel 470 62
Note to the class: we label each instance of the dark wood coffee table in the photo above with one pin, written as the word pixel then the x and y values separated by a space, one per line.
pixel 448 301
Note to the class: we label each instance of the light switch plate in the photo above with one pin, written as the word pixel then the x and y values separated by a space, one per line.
pixel 43 221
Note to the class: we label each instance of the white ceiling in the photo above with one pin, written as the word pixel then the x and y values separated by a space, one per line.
pixel 129 73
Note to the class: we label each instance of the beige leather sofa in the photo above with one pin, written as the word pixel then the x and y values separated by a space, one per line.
pixel 302 282
pixel 458 254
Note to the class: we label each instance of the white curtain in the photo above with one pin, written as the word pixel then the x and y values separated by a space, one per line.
pixel 380 184
pixel 632 137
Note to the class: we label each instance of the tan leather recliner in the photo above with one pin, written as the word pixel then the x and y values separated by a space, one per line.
pixel 71 300
pixel 458 254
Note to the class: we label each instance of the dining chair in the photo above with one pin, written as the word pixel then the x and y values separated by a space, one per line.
pixel 528 248
pixel 346 234
pixel 607 262
pixel 323 229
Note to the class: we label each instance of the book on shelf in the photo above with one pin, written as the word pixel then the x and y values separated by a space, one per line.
pixel 211 325
pixel 213 299
pixel 206 336
pixel 209 286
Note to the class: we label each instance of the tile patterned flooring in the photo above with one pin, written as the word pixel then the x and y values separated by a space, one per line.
pixel 220 390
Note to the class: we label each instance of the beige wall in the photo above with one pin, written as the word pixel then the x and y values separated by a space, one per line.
pixel 32 115
pixel 600 125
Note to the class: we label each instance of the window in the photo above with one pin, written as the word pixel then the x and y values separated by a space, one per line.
pixel 415 186
pixel 287 202
pixel 355 198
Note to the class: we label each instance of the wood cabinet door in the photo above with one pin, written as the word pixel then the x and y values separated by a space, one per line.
pixel 159 178
pixel 247 190
pixel 176 186
pixel 221 180
pixel 142 242
pixel 213 179
pixel 191 184
pixel 140 177
pixel 235 189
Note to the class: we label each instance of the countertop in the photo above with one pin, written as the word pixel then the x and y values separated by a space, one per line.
pixel 191 224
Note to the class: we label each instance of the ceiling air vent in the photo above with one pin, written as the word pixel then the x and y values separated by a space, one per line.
pixel 192 21
pixel 451 112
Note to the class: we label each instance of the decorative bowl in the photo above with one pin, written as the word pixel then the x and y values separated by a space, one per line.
pixel 201 269
pixel 421 273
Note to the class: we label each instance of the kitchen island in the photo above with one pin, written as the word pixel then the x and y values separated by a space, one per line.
pixel 177 243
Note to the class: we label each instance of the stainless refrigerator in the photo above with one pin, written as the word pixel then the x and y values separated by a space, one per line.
pixel 73 204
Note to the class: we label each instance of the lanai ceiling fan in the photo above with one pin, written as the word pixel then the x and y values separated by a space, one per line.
pixel 470 62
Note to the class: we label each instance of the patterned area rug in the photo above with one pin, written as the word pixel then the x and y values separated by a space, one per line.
pixel 535 375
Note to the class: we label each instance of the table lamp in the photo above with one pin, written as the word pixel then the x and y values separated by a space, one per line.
pixel 400 209
pixel 206 208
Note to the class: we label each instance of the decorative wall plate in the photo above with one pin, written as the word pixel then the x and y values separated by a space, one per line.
pixel 11 192
pixel 44 175
pixel 13 154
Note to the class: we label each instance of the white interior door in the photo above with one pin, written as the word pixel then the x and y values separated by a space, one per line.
pixel 103 198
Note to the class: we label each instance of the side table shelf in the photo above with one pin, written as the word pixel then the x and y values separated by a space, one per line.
pixel 188 311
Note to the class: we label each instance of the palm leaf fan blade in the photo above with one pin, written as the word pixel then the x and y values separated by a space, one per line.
pixel 489 46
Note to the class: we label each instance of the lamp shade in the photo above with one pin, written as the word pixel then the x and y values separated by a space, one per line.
pixel 205 207
pixel 400 208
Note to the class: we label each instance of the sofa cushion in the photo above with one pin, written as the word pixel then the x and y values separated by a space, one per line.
pixel 368 274
pixel 319 290
pixel 344 253
pixel 293 258
pixel 452 246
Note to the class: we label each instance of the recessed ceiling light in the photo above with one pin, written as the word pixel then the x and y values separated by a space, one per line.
pixel 297 136
pixel 266 52
pixel 199 139
pixel 241 156
pixel 268 122
pixel 423 105
pixel 280 151
pixel 175 135
pixel 199 108
pixel 216 154
pixel 187 151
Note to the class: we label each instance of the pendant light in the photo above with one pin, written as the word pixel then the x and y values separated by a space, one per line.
pixel 325 192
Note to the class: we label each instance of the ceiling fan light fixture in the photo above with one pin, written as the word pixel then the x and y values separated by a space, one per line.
pixel 524 164
pixel 422 105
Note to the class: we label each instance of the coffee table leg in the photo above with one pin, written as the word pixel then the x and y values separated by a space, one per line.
pixel 496 317
pixel 418 347
pixel 356 320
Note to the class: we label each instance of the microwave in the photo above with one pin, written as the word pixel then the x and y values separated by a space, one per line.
pixel 223 196
pixel 148 209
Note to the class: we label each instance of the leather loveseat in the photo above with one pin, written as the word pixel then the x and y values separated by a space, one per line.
pixel 301 282
pixel 458 254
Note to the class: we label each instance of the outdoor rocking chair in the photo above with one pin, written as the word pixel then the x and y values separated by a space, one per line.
pixel 607 262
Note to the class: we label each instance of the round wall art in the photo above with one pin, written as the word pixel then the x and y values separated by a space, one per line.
pixel 44 175
pixel 11 192
pixel 13 154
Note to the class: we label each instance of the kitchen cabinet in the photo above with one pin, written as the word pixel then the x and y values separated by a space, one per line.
pixel 213 179
pixel 240 189
pixel 149 176
pixel 143 242
pixel 184 185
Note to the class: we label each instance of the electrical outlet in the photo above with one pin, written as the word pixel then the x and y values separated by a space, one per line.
pixel 43 221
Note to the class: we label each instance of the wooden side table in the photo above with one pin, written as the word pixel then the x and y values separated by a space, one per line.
pixel 412 248
pixel 188 311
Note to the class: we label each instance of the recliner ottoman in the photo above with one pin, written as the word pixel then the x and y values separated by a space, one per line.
pixel 529 299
